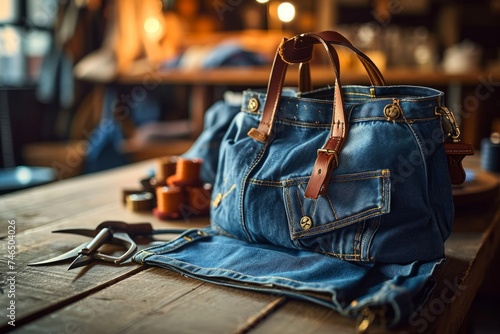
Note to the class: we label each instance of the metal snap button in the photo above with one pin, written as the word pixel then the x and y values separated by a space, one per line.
pixel 253 104
pixel 392 111
pixel 306 222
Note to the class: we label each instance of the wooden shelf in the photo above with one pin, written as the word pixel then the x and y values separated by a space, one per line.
pixel 321 75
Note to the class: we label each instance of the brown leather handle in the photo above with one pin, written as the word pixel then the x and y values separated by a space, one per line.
pixel 305 84
pixel 275 86
pixel 300 48
pixel 327 158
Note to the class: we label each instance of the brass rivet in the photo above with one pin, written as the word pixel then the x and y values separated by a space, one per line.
pixel 306 222
pixel 253 104
pixel 392 111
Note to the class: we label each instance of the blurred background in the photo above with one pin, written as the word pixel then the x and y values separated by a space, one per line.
pixel 87 85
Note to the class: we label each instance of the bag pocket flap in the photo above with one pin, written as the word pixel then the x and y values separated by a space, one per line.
pixel 350 198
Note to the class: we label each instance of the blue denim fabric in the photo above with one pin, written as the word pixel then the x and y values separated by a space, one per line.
pixel 345 286
pixel 373 240
pixel 103 151
pixel 225 54
pixel 228 54
pixel 215 124
pixel 388 201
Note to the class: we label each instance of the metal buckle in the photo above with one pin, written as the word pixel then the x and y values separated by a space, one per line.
pixel 454 132
pixel 330 152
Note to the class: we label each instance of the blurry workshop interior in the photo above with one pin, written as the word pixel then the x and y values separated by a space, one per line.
pixel 88 85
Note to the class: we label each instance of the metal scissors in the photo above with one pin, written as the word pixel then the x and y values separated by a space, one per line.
pixel 107 232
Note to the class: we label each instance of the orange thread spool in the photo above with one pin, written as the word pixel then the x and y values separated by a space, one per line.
pixel 187 173
pixel 169 201
pixel 198 199
pixel 165 167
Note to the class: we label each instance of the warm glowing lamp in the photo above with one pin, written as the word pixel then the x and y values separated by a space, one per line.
pixel 152 25
pixel 286 12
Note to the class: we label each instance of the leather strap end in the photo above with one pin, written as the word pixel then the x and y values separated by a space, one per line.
pixel 320 176
pixel 290 54
pixel 460 148
pixel 456 152
pixel 258 135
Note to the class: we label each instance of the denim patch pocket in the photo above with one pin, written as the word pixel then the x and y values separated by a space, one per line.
pixel 343 222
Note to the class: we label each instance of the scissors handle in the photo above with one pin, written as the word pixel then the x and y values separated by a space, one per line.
pixel 132 230
pixel 86 254
pixel 123 239
pixel 97 242
pixel 106 234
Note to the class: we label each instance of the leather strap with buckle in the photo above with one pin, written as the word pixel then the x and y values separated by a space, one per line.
pixel 299 50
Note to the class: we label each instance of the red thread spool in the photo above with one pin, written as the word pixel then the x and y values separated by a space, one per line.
pixel 169 201
pixel 187 173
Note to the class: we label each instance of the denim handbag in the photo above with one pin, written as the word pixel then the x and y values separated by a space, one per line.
pixel 340 196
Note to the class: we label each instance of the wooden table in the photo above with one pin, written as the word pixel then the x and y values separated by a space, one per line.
pixel 133 298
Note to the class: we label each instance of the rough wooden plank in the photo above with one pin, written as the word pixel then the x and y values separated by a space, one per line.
pixel 45 204
pixel 55 287
pixel 157 301
pixel 303 317
pixel 49 287
pixel 39 288
pixel 470 280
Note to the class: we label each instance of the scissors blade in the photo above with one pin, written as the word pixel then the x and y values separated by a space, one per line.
pixel 86 254
pixel 63 257
pixel 81 260
pixel 78 231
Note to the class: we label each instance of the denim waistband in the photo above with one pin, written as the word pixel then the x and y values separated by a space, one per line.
pixel 360 102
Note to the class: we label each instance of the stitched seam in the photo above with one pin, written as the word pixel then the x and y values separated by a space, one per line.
pixel 366 244
pixel 300 124
pixel 179 263
pixel 339 224
pixel 265 183
pixel 333 208
pixel 243 181
pixel 341 178
pixel 297 181
pixel 299 197
pixel 289 212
